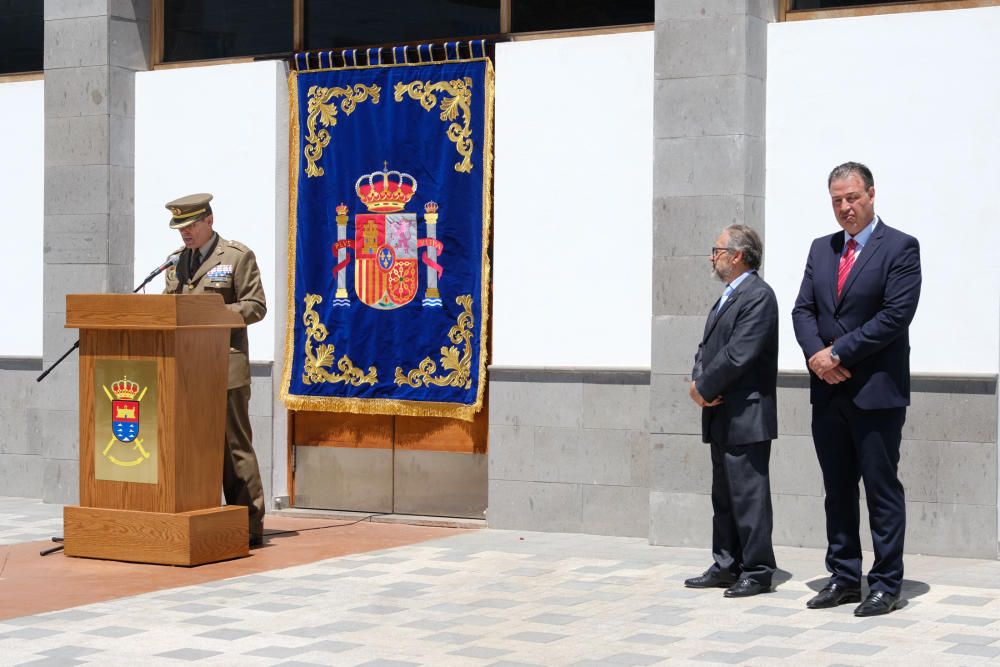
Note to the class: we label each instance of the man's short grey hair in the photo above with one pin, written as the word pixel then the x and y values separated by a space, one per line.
pixel 746 240
pixel 842 171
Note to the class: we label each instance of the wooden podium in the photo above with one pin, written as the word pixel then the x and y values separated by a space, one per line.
pixel 153 374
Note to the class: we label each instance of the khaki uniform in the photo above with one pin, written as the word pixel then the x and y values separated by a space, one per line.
pixel 230 269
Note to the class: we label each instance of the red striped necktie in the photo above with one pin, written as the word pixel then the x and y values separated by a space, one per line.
pixel 846 262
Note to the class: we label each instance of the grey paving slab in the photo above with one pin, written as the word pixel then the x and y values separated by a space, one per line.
pixel 228 634
pixel 275 651
pixel 554 619
pixel 483 652
pixel 981 640
pixel 29 633
pixel 967 600
pixel 70 651
pixel 188 654
pixel 451 638
pixel 762 651
pixel 600 601
pixel 724 657
pixel 428 624
pixel 958 619
pixel 732 637
pixel 974 649
pixel 852 648
pixel 330 646
pixel 649 638
pixel 537 637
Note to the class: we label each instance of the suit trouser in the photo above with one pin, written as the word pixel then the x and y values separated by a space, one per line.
pixel 240 474
pixel 742 516
pixel 854 444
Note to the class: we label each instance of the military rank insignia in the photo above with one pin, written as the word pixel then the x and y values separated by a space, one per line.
pixel 126 421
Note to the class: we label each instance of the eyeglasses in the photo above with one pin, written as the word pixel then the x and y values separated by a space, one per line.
pixel 716 251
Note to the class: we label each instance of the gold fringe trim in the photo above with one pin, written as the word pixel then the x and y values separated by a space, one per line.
pixel 388 65
pixel 381 406
pixel 484 295
pixel 293 203
pixel 385 406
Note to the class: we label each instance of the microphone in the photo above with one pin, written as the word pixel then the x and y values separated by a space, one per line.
pixel 170 261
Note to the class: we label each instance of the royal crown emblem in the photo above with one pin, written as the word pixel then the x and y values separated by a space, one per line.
pixel 386 245
pixel 385 191
pixel 125 389
pixel 125 397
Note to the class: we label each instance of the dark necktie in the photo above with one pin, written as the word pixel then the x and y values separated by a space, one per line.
pixel 846 262
pixel 196 260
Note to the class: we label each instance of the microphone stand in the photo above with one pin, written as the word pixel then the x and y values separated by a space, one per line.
pixel 171 261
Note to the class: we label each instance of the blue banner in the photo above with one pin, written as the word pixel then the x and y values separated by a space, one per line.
pixel 389 225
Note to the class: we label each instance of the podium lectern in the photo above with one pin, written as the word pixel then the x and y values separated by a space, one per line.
pixel 153 373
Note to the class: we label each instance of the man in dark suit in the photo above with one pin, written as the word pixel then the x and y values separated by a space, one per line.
pixel 852 317
pixel 734 379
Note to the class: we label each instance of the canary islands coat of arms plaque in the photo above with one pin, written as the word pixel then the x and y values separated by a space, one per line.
pixel 125 421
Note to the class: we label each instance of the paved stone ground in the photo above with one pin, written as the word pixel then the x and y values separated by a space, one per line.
pixel 491 597
pixel 28 520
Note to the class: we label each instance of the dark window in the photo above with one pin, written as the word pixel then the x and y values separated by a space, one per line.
pixel 338 23
pixel 534 15
pixel 833 4
pixel 203 29
pixel 21 36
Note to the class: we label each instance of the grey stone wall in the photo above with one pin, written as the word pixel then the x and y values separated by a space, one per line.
pixel 710 62
pixel 20 438
pixel 261 417
pixel 92 51
pixel 948 466
pixel 568 451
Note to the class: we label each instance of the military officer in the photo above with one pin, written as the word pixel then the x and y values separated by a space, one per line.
pixel 209 264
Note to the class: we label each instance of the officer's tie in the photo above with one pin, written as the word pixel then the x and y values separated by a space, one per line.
pixel 196 260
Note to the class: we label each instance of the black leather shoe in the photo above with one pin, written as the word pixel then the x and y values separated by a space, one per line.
pixel 744 588
pixel 710 580
pixel 876 604
pixel 833 595
pixel 256 541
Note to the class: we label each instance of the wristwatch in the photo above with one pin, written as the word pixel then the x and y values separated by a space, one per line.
pixel 833 354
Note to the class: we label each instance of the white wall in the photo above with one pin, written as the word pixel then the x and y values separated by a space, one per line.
pixel 573 193
pixel 212 129
pixel 22 181
pixel 916 98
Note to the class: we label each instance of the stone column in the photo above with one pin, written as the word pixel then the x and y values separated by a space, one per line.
pixel 92 50
pixel 710 60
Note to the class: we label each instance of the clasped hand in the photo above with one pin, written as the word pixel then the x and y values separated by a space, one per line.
pixel 697 398
pixel 827 368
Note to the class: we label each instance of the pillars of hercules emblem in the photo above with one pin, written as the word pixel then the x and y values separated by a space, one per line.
pixel 341 252
pixel 431 218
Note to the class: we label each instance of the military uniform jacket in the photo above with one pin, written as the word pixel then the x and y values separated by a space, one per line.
pixel 230 270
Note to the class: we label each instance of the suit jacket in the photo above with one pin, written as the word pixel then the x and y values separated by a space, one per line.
pixel 230 270
pixel 738 359
pixel 869 322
